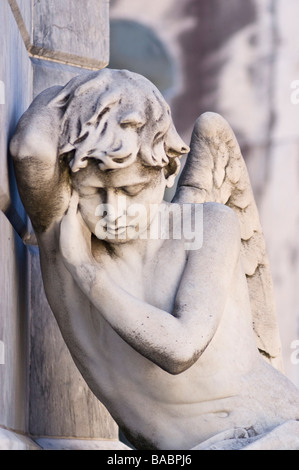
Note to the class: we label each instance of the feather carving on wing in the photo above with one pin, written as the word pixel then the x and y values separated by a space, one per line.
pixel 215 171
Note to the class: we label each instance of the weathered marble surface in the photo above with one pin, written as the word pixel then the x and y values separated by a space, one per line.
pixel 80 444
pixel 13 295
pixel 26 11
pixel 239 59
pixel 281 437
pixel 13 329
pixel 146 347
pixel 13 441
pixel 47 74
pixel 17 98
pixel 60 404
pixel 72 31
pixel 21 78
pixel 58 393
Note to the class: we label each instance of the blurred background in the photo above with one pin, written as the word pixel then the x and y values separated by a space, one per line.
pixel 239 59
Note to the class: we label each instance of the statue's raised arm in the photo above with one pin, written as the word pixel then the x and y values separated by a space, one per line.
pixel 41 170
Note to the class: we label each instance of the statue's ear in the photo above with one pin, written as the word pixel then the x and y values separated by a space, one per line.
pixel 174 145
pixel 172 171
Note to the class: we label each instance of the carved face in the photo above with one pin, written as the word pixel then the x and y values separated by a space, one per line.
pixel 122 147
pixel 119 205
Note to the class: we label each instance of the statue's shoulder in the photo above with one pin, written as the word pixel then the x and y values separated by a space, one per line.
pixel 220 228
pixel 219 214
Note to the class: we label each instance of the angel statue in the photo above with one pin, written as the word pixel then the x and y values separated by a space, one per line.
pixel 177 337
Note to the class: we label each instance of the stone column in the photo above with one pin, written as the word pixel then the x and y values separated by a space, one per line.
pixel 43 43
pixel 15 96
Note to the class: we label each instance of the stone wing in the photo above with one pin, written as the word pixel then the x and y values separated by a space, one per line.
pixel 215 171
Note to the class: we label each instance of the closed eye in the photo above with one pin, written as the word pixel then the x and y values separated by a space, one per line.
pixel 132 190
pixel 90 192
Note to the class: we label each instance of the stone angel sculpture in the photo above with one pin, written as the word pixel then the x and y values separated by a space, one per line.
pixel 174 339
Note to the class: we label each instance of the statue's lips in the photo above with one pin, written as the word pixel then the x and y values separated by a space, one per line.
pixel 114 230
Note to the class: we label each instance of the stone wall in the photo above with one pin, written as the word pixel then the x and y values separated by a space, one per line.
pixel 16 76
pixel 42 395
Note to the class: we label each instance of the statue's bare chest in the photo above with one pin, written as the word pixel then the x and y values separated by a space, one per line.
pixel 152 280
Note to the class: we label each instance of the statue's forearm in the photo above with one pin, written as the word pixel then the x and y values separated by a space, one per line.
pixel 154 333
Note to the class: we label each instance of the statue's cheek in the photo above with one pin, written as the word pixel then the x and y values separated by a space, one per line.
pixel 88 213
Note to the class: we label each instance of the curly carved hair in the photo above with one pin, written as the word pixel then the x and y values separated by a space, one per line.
pixel 114 117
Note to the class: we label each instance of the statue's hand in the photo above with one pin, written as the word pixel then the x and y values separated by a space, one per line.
pixel 75 237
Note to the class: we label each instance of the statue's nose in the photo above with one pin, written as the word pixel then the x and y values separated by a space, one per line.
pixel 115 206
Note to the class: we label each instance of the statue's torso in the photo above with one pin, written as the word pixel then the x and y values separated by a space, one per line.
pixel 184 409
